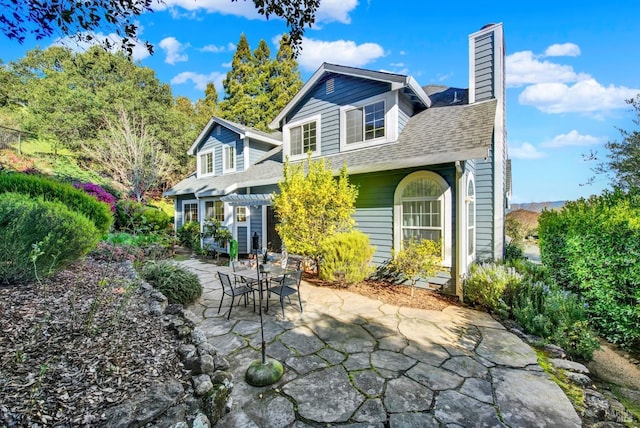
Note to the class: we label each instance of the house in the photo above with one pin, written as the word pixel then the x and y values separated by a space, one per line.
pixel 429 162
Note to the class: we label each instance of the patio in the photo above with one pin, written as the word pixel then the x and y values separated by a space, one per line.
pixel 353 361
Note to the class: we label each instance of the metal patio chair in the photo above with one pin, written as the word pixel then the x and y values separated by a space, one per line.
pixel 232 290
pixel 290 284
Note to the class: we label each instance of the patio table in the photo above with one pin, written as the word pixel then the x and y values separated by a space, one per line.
pixel 267 272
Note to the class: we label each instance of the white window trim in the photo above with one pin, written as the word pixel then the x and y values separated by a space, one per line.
pixel 226 170
pixel 213 161
pixel 471 256
pixel 190 202
pixel 287 138
pixel 446 208
pixel 390 121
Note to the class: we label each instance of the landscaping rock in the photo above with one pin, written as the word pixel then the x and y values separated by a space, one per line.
pixel 569 365
pixel 454 408
pixel 579 379
pixel 201 421
pixel 202 384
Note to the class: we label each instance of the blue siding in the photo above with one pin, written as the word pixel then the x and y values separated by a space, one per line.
pixel 484 67
pixel 255 223
pixel 215 141
pixel 405 111
pixel 257 149
pixel 347 90
pixel 374 206
pixel 484 208
pixel 243 245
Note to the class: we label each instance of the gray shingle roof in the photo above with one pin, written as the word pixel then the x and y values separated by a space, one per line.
pixel 433 136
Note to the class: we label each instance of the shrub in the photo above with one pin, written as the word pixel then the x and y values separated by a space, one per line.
pixel 487 283
pixel 50 190
pixel 135 217
pixel 346 254
pixel 189 235
pixel 110 252
pixel 38 237
pixel 98 192
pixel 513 251
pixel 592 247
pixel 418 259
pixel 175 282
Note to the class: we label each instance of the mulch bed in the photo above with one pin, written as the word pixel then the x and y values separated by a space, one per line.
pixel 77 344
pixel 393 294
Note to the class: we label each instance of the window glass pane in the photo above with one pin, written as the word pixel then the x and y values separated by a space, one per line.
pixel 219 210
pixel 208 210
pixel 296 140
pixel 422 188
pixel 470 189
pixel 354 125
pixel 190 212
pixel 471 239
pixel 241 214
pixel 309 137
pixel 472 214
pixel 206 163
pixel 420 234
pixel 374 120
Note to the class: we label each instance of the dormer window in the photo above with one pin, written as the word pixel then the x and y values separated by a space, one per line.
pixel 229 158
pixel 371 121
pixel 365 123
pixel 206 163
pixel 303 137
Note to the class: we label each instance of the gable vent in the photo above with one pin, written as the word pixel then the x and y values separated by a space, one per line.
pixel 330 85
pixel 218 130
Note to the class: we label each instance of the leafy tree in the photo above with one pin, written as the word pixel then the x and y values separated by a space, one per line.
pixel 418 259
pixel 623 164
pixel 207 107
pixel 85 20
pixel 312 206
pixel 131 155
pixel 257 87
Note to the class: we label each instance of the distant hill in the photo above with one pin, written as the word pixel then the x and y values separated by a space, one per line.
pixel 537 206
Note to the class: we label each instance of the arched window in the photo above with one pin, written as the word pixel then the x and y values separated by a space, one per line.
pixel 471 218
pixel 423 211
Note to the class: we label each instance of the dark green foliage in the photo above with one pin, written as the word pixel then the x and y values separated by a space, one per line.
pixel 592 247
pixel 135 217
pixel 346 256
pixel 189 235
pixel 547 311
pixel 50 190
pixel 175 282
pixel 513 251
pixel 38 237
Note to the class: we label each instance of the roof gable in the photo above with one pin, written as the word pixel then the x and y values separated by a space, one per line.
pixel 397 81
pixel 274 139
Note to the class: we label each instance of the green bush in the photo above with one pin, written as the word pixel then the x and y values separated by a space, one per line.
pixel 189 235
pixel 135 217
pixel 513 251
pixel 175 282
pixel 49 190
pixel 487 283
pixel 592 247
pixel 38 237
pixel 348 254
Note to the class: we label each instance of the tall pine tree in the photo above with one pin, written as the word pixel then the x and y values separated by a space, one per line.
pixel 285 80
pixel 237 85
pixel 208 106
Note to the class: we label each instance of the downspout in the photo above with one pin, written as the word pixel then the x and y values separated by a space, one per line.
pixel 460 270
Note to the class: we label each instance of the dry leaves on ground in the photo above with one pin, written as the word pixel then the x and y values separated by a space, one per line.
pixel 76 344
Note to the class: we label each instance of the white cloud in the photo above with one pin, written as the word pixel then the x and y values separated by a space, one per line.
pixel 329 10
pixel 563 49
pixel 200 80
pixel 583 96
pixel 139 51
pixel 525 151
pixel 213 48
pixel 173 48
pixel 572 139
pixel 335 10
pixel 524 68
pixel 343 52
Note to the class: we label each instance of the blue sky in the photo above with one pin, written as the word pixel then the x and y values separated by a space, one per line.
pixel 570 65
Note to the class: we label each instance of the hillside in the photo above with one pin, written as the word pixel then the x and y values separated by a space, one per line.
pixel 537 206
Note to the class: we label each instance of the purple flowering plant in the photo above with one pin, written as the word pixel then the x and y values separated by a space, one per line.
pixel 98 192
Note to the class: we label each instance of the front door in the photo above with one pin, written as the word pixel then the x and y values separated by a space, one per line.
pixel 274 243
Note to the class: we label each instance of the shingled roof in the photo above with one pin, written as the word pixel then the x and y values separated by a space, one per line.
pixel 433 136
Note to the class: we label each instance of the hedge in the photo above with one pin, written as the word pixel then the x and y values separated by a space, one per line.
pixel 50 190
pixel 592 246
pixel 60 234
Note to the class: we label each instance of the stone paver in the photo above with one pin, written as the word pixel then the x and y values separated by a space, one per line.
pixel 355 362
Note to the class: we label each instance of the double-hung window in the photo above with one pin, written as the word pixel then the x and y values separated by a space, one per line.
pixel 190 211
pixel 214 209
pixel 206 163
pixel 229 157
pixel 303 138
pixel 365 123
